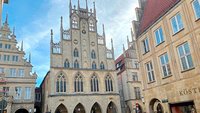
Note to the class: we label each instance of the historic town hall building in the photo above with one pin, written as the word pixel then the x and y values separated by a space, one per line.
pixel 82 76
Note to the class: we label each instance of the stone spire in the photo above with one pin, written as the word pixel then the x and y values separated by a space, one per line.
pixel 103 31
pixel 132 35
pixel 104 35
pixel 70 6
pixel 112 47
pixel 22 46
pixel 51 35
pixel 86 4
pixel 78 4
pixel 94 9
pixel 29 57
pixel 61 27
pixel 128 41
pixel 6 22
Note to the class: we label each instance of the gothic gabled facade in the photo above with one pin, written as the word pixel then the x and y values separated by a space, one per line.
pixel 82 76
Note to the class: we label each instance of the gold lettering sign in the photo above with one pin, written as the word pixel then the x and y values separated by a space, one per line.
pixel 189 91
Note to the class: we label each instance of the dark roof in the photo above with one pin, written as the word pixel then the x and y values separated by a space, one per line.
pixel 153 10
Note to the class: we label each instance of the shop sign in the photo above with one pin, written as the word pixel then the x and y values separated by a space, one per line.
pixel 189 91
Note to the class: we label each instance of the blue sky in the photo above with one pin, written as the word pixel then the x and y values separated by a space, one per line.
pixel 33 20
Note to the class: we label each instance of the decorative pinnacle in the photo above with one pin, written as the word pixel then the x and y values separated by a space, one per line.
pixel 86 4
pixel 30 57
pixel 6 19
pixel 61 22
pixel 13 30
pixel 103 30
pixel 51 35
pixel 22 46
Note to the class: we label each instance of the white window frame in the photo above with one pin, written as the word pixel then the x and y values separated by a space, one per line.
pixel 185 55
pixel 13 72
pixel 177 23
pixel 165 65
pixel 145 45
pixel 27 93
pixel 195 9
pixel 18 91
pixel 160 37
pixel 1 70
pixel 21 72
pixel 150 72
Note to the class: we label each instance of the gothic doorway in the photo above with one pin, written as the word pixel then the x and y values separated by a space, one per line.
pixel 61 109
pixel 79 109
pixel 21 111
pixel 156 106
pixel 111 108
pixel 96 108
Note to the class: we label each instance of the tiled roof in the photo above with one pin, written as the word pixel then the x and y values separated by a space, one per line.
pixel 153 10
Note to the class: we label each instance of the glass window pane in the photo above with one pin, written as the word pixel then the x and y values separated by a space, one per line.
pixel 190 62
pixel 166 58
pixel 180 22
pixel 157 37
pixel 162 60
pixel 186 47
pixel 161 35
pixel 181 52
pixel 174 26
pixel 196 5
pixel 184 65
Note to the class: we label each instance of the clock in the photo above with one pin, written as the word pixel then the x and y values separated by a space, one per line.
pixel 83 31
pixel 75 41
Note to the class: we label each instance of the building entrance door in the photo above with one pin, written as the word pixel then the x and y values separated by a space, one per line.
pixel 185 107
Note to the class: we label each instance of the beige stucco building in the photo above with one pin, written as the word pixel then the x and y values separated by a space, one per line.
pixel 17 83
pixel 82 76
pixel 129 79
pixel 168 37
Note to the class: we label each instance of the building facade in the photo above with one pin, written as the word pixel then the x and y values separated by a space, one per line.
pixel 17 82
pixel 82 76
pixel 168 36
pixel 129 80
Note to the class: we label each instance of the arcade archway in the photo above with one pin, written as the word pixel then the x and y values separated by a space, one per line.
pixel 79 109
pixel 61 109
pixel 21 111
pixel 156 106
pixel 96 108
pixel 111 108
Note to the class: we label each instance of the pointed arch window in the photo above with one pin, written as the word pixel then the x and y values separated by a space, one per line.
pixel 74 22
pixel 66 64
pixel 78 83
pixel 102 67
pixel 108 83
pixel 76 64
pixel 94 66
pixel 94 83
pixel 91 25
pixel 61 83
pixel 93 54
pixel 76 52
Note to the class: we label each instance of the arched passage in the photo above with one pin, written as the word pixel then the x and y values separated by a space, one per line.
pixel 155 106
pixel 96 108
pixel 61 109
pixel 111 108
pixel 138 108
pixel 79 109
pixel 21 111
